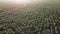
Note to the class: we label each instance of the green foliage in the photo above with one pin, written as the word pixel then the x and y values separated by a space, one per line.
pixel 33 20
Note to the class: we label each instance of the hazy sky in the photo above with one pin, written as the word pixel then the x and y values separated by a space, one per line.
pixel 32 0
pixel 18 1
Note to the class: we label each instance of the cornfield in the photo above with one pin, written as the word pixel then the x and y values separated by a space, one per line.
pixel 30 21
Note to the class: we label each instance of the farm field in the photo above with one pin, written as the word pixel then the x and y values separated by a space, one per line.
pixel 39 18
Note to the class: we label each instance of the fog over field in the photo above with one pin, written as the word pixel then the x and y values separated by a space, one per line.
pixel 40 2
pixel 29 16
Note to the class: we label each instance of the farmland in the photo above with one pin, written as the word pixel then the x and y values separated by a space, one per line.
pixel 34 19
